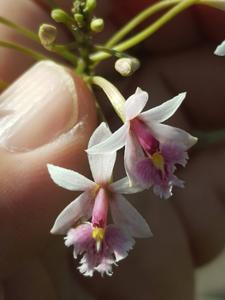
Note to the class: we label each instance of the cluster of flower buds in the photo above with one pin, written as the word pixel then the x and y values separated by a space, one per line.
pixel 152 152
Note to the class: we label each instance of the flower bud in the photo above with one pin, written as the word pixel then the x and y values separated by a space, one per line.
pixel 47 35
pixel 97 25
pixel 60 16
pixel 79 18
pixel 127 66
pixel 90 5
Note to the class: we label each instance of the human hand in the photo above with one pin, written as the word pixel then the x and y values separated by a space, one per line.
pixel 161 268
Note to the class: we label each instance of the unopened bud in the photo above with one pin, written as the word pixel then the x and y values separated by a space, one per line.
pixel 47 35
pixel 90 5
pixel 127 66
pixel 97 25
pixel 60 16
pixel 79 18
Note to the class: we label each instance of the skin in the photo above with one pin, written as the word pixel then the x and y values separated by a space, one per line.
pixel 189 229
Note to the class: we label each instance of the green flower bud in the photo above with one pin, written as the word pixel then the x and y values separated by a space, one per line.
pixel 60 16
pixel 97 25
pixel 47 35
pixel 127 66
pixel 90 5
pixel 79 18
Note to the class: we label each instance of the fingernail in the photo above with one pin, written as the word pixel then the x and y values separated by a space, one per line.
pixel 42 105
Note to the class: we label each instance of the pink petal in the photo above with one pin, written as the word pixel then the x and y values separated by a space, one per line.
pixel 146 174
pixel 80 237
pixel 101 164
pixel 81 207
pixel 135 104
pixel 118 242
pixel 128 218
pixel 174 154
pixel 164 111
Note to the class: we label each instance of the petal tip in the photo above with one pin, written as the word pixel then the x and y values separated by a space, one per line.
pixel 220 50
pixel 53 230
pixel 184 94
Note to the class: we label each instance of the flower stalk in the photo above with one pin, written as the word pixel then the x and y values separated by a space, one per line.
pixel 141 36
pixel 115 97
pixel 27 51
pixel 137 20
pixel 20 29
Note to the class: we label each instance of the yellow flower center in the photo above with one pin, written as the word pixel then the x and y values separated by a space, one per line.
pixel 158 160
pixel 98 233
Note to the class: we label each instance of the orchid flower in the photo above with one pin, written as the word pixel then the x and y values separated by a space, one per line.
pixel 102 245
pixel 152 149
pixel 220 49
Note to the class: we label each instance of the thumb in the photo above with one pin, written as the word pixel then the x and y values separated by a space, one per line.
pixel 52 115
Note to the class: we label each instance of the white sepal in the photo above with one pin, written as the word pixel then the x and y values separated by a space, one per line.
pixel 69 179
pixel 79 208
pixel 169 134
pixel 124 186
pixel 101 164
pixel 220 49
pixel 115 142
pixel 135 104
pixel 164 111
pixel 128 218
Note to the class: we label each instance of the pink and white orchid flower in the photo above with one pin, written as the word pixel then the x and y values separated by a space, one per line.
pixel 152 149
pixel 101 244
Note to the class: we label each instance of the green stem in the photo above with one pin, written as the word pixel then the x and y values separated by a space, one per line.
pixel 114 95
pixel 66 54
pixel 34 54
pixel 149 11
pixel 138 38
pixel 23 30
pixel 211 137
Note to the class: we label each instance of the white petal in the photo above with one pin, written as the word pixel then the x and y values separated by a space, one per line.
pixel 124 186
pixel 164 111
pixel 169 134
pixel 135 104
pixel 115 142
pixel 128 218
pixel 69 179
pixel 133 153
pixel 101 164
pixel 81 207
pixel 220 50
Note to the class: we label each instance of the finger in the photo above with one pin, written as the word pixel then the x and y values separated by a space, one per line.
pixel 53 118
pixel 12 63
pixel 31 281
pixel 201 206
